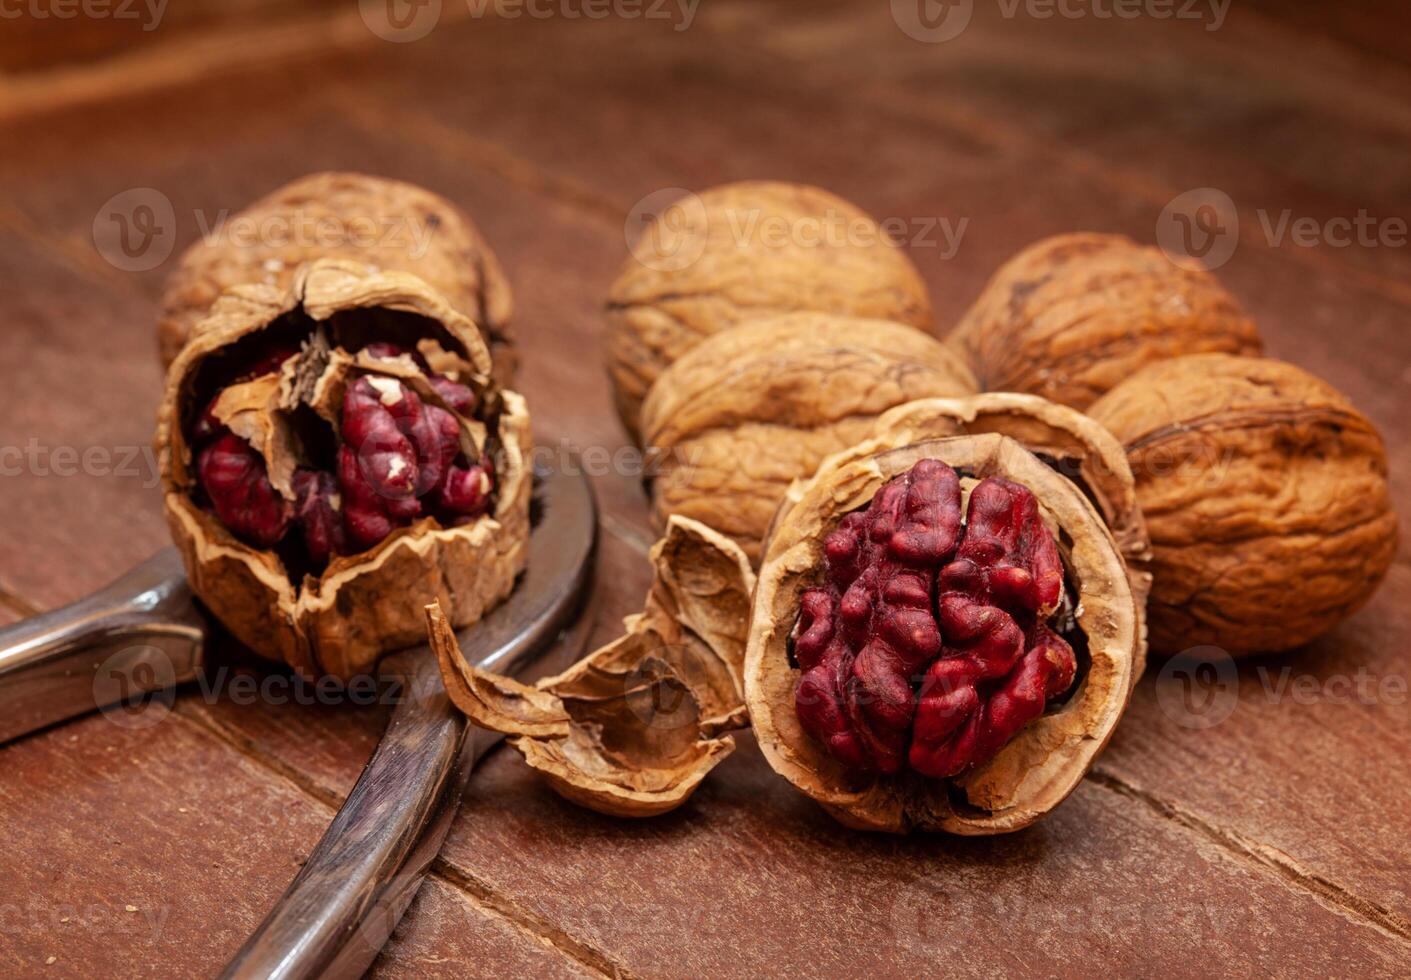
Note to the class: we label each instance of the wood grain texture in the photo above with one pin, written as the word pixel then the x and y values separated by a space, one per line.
pixel 1273 841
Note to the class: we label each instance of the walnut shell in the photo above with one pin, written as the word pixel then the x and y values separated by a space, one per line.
pixel 366 604
pixel 384 224
pixel 1041 765
pixel 1072 316
pixel 739 417
pixel 743 250
pixel 632 728
pixel 1266 496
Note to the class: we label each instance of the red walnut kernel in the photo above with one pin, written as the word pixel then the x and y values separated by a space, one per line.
pixel 949 698
pixel 867 637
pixel 234 477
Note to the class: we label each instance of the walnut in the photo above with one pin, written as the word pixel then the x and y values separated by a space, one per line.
pixel 751 409
pixel 1072 316
pixel 744 250
pixel 633 728
pixel 910 669
pixel 383 224
pixel 1266 496
pixel 334 455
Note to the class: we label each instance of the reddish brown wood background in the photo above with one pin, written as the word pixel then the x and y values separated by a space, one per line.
pixel 1272 842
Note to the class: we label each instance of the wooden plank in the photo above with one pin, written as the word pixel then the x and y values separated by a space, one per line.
pixel 750 878
pixel 1152 834
pixel 142 847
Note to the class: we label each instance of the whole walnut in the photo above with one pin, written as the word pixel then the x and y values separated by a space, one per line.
pixel 384 224
pixel 1072 316
pixel 740 251
pixel 751 409
pixel 1265 495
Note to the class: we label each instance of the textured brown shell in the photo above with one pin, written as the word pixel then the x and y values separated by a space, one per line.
pixel 367 604
pixel 1266 496
pixel 633 728
pixel 655 314
pixel 1047 760
pixel 742 415
pixel 455 260
pixel 1072 316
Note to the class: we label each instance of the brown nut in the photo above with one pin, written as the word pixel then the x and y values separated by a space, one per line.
pixel 744 250
pixel 293 537
pixel 1266 495
pixel 633 728
pixel 384 224
pixel 1041 754
pixel 738 418
pixel 1072 316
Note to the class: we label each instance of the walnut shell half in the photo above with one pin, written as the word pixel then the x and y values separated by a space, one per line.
pixel 338 619
pixel 1033 772
pixel 1266 495
pixel 1072 316
pixel 740 251
pixel 632 728
pixel 739 417
pixel 383 224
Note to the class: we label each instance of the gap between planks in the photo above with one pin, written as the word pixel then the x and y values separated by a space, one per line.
pixel 1253 854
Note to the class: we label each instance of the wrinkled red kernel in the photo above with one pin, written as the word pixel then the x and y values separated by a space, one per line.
pixel 397 463
pixel 926 646
pixel 234 477
pixel 458 396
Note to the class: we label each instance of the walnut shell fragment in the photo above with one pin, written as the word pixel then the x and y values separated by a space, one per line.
pixel 739 417
pixel 633 728
pixel 336 612
pixel 744 250
pixel 1072 316
pixel 383 224
pixel 1266 495
pixel 1046 760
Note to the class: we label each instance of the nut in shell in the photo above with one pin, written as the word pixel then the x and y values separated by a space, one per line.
pixel 751 409
pixel 1030 727
pixel 756 248
pixel 335 455
pixel 1265 492
pixel 1072 316
pixel 383 224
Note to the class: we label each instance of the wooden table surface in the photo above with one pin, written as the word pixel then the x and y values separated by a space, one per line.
pixel 1274 841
